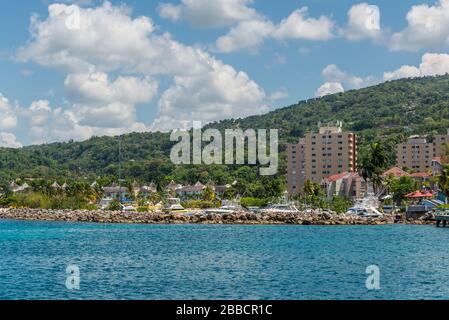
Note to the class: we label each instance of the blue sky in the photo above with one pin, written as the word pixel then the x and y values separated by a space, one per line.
pixel 144 65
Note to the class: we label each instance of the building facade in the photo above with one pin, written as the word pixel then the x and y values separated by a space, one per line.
pixel 438 143
pixel 347 184
pixel 320 155
pixel 417 153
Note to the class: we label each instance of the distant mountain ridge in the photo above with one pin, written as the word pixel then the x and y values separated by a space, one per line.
pixel 389 112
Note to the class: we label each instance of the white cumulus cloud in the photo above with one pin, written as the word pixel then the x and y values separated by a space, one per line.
pixel 363 22
pixel 235 91
pixel 247 34
pixel 432 64
pixel 111 41
pixel 332 73
pixel 338 80
pixel 329 88
pixel 209 14
pixel 9 140
pixel 8 117
pixel 300 26
pixel 251 33
pixel 428 28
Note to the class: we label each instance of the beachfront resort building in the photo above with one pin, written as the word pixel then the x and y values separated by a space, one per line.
pixel 15 188
pixel 317 156
pixel 418 154
pixel 346 184
pixel 196 191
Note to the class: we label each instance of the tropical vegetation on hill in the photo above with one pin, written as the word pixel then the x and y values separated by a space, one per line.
pixel 382 116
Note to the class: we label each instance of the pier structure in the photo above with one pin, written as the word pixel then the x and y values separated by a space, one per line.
pixel 442 217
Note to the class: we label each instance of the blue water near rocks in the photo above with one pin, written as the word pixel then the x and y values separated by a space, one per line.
pixel 222 262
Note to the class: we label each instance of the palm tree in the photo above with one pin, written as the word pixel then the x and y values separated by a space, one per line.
pixel 379 156
pixel 387 183
pixel 373 164
pixel 309 188
pixel 445 156
pixel 443 181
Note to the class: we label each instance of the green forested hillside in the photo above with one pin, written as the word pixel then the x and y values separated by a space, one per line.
pixel 388 112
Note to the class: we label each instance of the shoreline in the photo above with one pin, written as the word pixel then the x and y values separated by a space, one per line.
pixel 237 218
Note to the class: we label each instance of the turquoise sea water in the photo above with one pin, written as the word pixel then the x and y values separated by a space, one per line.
pixel 221 262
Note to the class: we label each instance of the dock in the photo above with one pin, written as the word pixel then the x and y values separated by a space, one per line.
pixel 442 217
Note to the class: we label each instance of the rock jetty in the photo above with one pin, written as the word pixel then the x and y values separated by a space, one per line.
pixel 247 218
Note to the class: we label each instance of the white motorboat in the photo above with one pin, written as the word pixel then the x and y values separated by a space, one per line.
pixel 224 210
pixel 280 208
pixel 128 208
pixel 365 212
pixel 366 206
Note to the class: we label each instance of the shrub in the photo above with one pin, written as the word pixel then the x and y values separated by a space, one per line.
pixel 143 209
pixel 254 202
pixel 200 204
pixel 340 205
pixel 115 205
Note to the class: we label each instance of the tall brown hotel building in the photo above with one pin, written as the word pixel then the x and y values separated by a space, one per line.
pixel 320 155
pixel 417 153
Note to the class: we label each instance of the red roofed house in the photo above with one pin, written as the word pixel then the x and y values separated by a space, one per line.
pixel 346 184
pixel 396 173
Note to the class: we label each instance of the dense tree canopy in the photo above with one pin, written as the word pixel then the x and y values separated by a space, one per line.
pixel 388 112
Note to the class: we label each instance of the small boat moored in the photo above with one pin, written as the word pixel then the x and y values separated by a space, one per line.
pixel 280 208
pixel 365 212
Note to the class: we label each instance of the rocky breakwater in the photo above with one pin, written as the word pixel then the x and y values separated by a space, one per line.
pixel 314 218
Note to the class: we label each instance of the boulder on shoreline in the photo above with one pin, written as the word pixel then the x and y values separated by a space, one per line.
pixel 248 218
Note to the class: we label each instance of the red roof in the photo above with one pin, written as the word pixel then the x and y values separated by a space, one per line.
pixel 420 194
pixel 420 175
pixel 337 177
pixel 437 159
pixel 396 172
pixel 340 176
